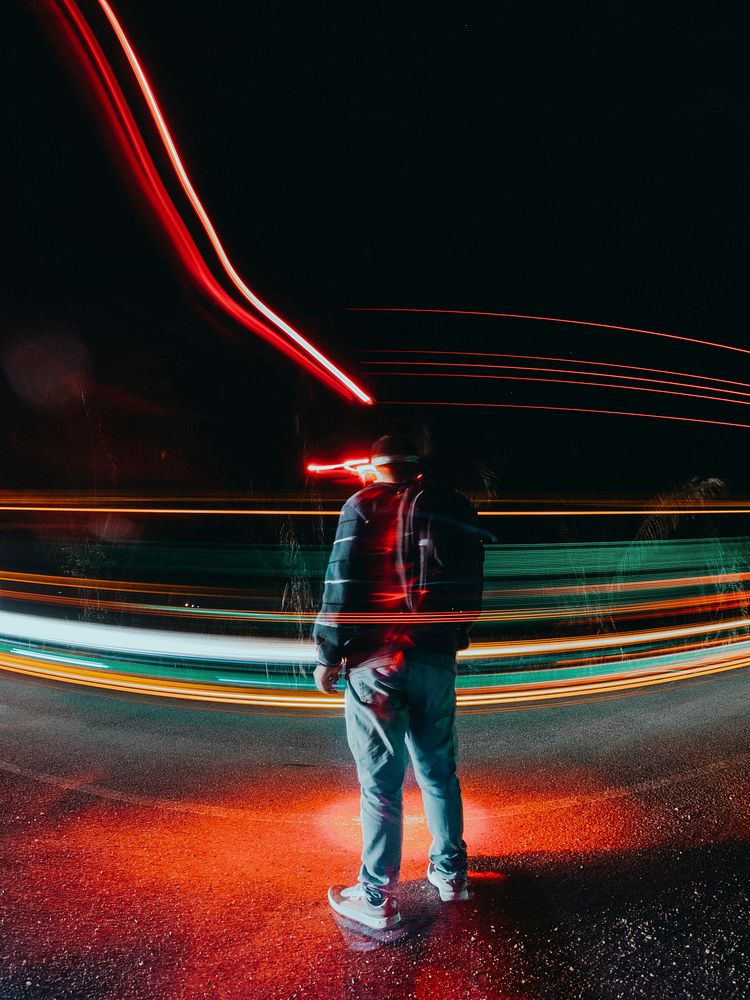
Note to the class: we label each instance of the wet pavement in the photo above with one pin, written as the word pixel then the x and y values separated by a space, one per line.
pixel 158 851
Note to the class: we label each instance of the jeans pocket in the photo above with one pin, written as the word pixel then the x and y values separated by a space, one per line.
pixel 363 682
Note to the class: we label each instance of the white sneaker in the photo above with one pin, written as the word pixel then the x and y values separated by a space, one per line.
pixel 452 888
pixel 352 903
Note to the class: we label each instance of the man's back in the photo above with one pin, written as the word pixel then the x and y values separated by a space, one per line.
pixel 404 557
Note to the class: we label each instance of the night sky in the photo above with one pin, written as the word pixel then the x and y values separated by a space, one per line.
pixel 584 161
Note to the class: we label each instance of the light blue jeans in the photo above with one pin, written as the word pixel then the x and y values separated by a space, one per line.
pixel 407 703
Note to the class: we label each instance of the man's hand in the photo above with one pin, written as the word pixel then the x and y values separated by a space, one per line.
pixel 326 678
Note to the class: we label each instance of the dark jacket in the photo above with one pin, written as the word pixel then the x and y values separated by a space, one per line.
pixel 405 572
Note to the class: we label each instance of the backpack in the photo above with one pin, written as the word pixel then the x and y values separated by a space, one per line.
pixel 439 551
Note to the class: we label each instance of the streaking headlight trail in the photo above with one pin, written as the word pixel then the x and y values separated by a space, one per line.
pixel 486 690
pixel 634 615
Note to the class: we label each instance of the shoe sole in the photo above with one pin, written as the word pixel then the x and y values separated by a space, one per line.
pixel 377 923
pixel 446 895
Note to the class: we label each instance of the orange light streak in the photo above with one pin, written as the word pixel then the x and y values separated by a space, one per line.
pixel 647 583
pixel 161 643
pixel 232 512
pixel 566 409
pixel 562 371
pixel 553 319
pixel 237 502
pixel 481 698
pixel 564 381
pixel 575 643
pixel 644 609
pixel 646 654
pixel 542 357
pixel 312 512
pixel 682 605
pixel 679 605
pixel 127 586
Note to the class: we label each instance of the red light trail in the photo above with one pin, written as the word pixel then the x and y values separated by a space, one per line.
pixel 565 409
pixel 566 361
pixel 569 371
pixel 123 130
pixel 552 319
pixel 348 465
pixel 562 381
pixel 711 389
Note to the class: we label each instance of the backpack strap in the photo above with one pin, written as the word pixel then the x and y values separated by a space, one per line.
pixel 405 516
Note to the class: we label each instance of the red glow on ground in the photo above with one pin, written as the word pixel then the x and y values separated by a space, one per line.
pixel 339 822
pixel 224 894
pixel 477 876
pixel 518 817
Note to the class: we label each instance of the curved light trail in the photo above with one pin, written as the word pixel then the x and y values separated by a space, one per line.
pixel 74 664
pixel 124 132
pixel 565 371
pixel 599 508
pixel 240 649
pixel 543 357
pixel 709 393
pixel 604 594
pixel 566 381
pixel 508 600
pixel 631 610
pixel 712 389
pixel 553 319
pixel 566 409
pixel 94 677
pixel 208 226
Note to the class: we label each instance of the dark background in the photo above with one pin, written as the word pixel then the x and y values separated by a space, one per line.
pixel 586 161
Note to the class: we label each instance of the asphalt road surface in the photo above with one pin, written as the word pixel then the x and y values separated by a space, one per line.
pixel 156 851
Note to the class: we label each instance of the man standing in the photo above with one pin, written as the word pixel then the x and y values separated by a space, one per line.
pixel 403 586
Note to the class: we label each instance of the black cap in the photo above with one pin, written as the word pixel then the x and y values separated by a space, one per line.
pixel 399 449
